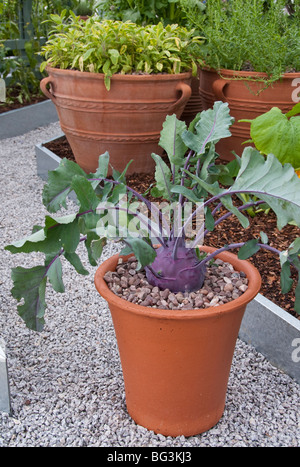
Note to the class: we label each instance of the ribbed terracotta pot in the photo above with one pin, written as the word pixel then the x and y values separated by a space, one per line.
pixel 126 120
pixel 247 99
pixel 176 363
pixel 194 104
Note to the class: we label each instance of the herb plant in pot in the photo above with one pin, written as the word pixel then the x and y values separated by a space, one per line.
pixel 176 337
pixel 113 83
pixel 165 11
pixel 251 59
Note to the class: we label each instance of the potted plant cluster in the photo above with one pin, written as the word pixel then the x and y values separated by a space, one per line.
pixel 176 335
pixel 114 82
pixel 251 59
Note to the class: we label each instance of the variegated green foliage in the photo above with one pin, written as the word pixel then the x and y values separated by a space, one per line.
pixel 109 47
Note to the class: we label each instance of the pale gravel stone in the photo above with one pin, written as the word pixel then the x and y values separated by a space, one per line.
pixel 66 382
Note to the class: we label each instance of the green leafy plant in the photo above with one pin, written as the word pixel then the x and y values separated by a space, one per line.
pixel 111 47
pixel 249 35
pixel 85 7
pixel 108 209
pixel 141 12
pixel 278 133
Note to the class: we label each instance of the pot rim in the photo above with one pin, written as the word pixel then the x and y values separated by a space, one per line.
pixel 119 76
pixel 249 74
pixel 251 271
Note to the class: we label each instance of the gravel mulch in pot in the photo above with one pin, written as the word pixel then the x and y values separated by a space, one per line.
pixel 222 284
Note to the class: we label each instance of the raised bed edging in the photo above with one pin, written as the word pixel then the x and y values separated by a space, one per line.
pixel 5 405
pixel 20 121
pixel 268 328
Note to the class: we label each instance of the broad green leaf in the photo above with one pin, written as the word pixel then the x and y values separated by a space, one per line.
pixel 162 177
pixel 59 184
pixel 286 281
pixel 101 171
pixel 54 275
pixel 74 259
pixel 86 196
pixel 186 192
pixel 30 285
pixel 96 248
pixel 144 253
pixel 249 249
pixel 25 244
pixel 171 141
pixel 275 133
pixel 271 182
pixel 211 127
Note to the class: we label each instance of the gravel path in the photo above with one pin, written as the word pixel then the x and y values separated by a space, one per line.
pixel 66 382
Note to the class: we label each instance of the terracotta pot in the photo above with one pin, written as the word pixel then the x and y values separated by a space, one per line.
pixel 194 104
pixel 247 99
pixel 126 121
pixel 176 364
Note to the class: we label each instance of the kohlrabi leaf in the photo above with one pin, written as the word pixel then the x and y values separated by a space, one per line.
pixel 275 133
pixel 84 191
pixel 74 259
pixel 54 275
pixel 101 171
pixel 171 141
pixel 30 285
pixel 213 125
pixel 271 182
pixel 59 184
pixel 162 178
pixel 249 249
pixel 144 253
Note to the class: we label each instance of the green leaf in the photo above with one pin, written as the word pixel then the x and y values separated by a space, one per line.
pixel 171 141
pixel 274 133
pixel 74 259
pixel 211 127
pixel 209 220
pixel 187 193
pixel 30 285
pixel 144 253
pixel 249 249
pixel 54 275
pixel 264 238
pixel 101 171
pixel 59 184
pixel 271 182
pixel 285 278
pixel 86 196
pixel 162 177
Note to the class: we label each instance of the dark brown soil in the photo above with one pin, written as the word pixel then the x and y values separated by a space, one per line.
pixel 15 104
pixel 230 231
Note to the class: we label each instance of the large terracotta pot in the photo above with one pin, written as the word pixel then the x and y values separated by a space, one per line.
pixel 194 104
pixel 126 120
pixel 247 99
pixel 176 364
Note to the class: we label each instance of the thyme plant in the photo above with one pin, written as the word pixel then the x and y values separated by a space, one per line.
pixel 251 35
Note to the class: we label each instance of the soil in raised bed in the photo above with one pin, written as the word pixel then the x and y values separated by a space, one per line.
pixel 16 104
pixel 230 231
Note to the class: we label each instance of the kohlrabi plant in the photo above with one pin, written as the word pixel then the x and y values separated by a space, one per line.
pixel 163 237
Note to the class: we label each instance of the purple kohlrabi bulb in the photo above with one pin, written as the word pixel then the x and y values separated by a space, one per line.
pixel 184 273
